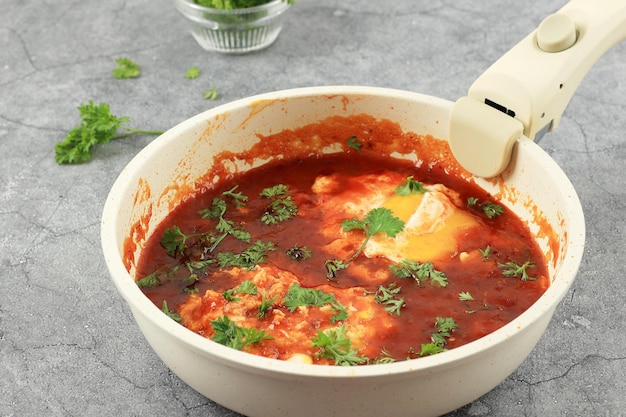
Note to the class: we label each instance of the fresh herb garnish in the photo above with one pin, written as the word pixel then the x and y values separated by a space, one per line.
pixel 98 126
pixel 410 186
pixel 237 196
pixel 299 253
pixel 419 272
pixel 485 252
pixel 215 210
pixel 333 266
pixel 149 281
pixel 247 287
pixel 490 209
pixel 468 298
pixel 192 72
pixel 334 344
pixel 465 296
pixel 171 314
pixel 377 220
pixel 126 69
pixel 237 337
pixel 511 269
pixel 281 207
pixel 443 326
pixel 247 259
pixel 387 296
pixel 174 240
pixel 210 94
pixel 298 296
pixel 353 143
pixel 266 305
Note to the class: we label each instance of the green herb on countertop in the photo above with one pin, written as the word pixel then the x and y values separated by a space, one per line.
pixel 126 69
pixel 211 94
pixel 192 72
pixel 98 126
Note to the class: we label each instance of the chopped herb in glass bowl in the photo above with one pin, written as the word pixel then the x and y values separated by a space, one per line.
pixel 234 26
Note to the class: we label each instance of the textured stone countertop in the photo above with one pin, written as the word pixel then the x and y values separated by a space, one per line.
pixel 68 343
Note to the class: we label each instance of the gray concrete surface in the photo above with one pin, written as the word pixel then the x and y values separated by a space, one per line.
pixel 68 344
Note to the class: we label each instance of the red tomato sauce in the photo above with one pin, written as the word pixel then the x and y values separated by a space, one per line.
pixel 497 297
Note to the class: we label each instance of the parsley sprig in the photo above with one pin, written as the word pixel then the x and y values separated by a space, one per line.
pixel 511 269
pixel 388 297
pixel 228 333
pixel 443 330
pixel 247 259
pixel 410 186
pixel 98 126
pixel 419 272
pixel 490 208
pixel 298 296
pixel 378 220
pixel 281 206
pixel 335 345
pixel 126 68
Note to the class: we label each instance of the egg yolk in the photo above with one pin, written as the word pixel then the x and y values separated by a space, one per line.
pixel 431 224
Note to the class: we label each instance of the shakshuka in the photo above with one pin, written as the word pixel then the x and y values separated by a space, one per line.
pixel 352 255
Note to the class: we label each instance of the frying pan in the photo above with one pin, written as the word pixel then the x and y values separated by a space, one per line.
pixel 489 132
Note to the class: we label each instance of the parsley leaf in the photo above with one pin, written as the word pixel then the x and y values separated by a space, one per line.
pixel 237 337
pixel 192 72
pixel 126 69
pixel 249 258
pixel 298 296
pixel 335 345
pixel 387 296
pixel 377 220
pixel 98 126
pixel 411 186
pixel 465 296
pixel 281 207
pixel 443 326
pixel 490 209
pixel 266 305
pixel 299 253
pixel 333 266
pixel 210 94
pixel 173 240
pixel 353 143
pixel 419 272
pixel 171 314
pixel 511 269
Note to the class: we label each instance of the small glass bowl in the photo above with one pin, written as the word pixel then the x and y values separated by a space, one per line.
pixel 235 31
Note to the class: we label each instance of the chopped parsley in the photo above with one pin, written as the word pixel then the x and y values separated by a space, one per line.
pixel 126 69
pixel 511 269
pixel 410 186
pixel 354 143
pixel 335 345
pixel 237 337
pixel 388 297
pixel 419 272
pixel 281 207
pixel 444 327
pixel 298 296
pixel 249 258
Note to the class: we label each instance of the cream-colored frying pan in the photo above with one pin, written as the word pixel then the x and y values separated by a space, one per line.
pixel 527 90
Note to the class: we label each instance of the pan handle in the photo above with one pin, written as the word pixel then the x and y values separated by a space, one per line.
pixel 527 90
